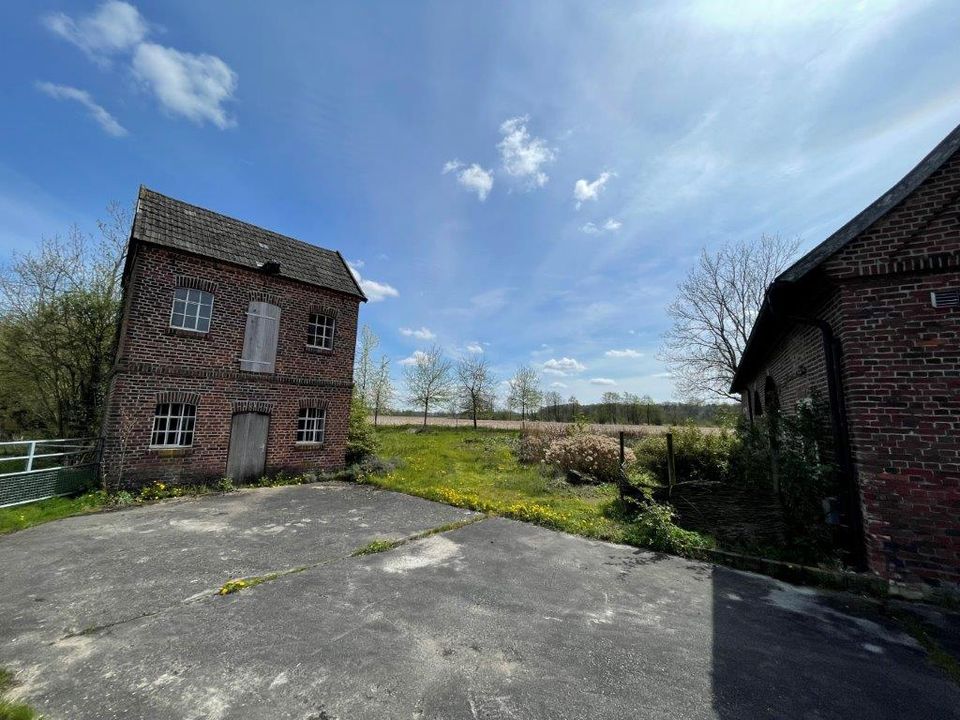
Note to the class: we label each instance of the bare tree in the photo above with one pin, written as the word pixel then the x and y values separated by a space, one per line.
pixel 381 388
pixel 428 380
pixel 524 391
pixel 552 401
pixel 364 369
pixel 475 381
pixel 714 311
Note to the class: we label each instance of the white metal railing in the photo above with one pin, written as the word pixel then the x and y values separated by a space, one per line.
pixel 45 468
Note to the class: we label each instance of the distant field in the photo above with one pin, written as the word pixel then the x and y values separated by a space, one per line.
pixel 529 425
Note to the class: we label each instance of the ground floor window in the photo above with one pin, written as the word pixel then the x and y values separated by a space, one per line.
pixel 173 425
pixel 310 425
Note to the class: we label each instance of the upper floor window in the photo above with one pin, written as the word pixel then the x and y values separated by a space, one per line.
pixel 191 309
pixel 173 425
pixel 260 338
pixel 310 425
pixel 320 331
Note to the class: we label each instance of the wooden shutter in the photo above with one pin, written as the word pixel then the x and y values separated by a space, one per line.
pixel 260 339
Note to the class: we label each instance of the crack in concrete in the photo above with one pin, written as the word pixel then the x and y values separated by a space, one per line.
pixel 212 593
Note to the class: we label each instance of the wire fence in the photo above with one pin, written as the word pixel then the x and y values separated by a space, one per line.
pixel 32 470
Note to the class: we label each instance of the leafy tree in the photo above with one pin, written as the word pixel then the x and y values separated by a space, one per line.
pixel 58 319
pixel 475 383
pixel 381 388
pixel 524 391
pixel 714 311
pixel 428 380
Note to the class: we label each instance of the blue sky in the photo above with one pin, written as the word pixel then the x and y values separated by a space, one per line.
pixel 529 180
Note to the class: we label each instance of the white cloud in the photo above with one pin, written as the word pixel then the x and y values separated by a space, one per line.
pixel 610 225
pixel 563 366
pixel 558 385
pixel 523 155
pixel 194 86
pixel 375 291
pixel 413 359
pixel 106 121
pixel 112 27
pixel 627 353
pixel 584 190
pixel 602 381
pixel 474 348
pixel 421 334
pixel 473 178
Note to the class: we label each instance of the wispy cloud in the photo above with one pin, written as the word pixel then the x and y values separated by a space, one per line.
pixel 421 334
pixel 474 348
pixel 474 178
pixel 610 225
pixel 584 190
pixel 563 366
pixel 602 381
pixel 558 384
pixel 627 353
pixel 104 119
pixel 196 87
pixel 113 27
pixel 522 155
pixel 414 358
pixel 375 291
pixel 193 86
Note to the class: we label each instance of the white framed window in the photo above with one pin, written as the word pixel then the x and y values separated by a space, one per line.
pixel 260 338
pixel 320 331
pixel 310 425
pixel 173 425
pixel 191 310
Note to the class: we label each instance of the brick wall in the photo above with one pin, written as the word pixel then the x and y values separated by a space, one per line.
pixel 153 359
pixel 901 378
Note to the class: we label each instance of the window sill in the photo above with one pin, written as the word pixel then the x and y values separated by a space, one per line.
pixel 170 450
pixel 304 445
pixel 316 350
pixel 183 332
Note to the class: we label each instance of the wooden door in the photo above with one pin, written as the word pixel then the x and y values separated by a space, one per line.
pixel 248 446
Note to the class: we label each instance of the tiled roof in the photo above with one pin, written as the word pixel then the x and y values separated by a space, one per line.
pixel 172 223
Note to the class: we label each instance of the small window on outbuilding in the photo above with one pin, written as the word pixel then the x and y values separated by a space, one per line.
pixel 310 425
pixel 260 338
pixel 173 425
pixel 191 310
pixel 320 331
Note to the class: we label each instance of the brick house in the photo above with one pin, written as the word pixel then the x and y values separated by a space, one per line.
pixel 870 320
pixel 234 352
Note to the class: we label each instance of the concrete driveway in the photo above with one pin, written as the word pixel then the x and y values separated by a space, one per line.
pixel 114 616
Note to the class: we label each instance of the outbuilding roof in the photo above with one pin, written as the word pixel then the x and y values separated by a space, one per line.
pixel 165 221
pixel 766 329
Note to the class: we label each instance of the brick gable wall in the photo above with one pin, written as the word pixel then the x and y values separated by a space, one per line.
pixel 901 378
pixel 153 359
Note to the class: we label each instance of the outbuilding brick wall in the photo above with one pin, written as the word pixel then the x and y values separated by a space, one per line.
pixel 901 379
pixel 153 360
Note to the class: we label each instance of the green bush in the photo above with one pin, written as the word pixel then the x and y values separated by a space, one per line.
pixel 654 528
pixel 361 435
pixel 699 455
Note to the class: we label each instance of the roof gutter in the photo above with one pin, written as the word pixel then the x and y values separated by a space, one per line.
pixel 832 357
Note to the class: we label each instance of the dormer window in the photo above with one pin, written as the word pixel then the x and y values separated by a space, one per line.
pixel 191 310
pixel 320 331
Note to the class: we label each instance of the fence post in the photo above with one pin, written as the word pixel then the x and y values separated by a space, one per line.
pixel 30 454
pixel 621 448
pixel 671 465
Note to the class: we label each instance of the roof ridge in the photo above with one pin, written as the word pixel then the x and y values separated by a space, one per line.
pixel 229 218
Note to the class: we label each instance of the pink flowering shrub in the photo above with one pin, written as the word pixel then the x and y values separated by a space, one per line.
pixel 533 445
pixel 594 456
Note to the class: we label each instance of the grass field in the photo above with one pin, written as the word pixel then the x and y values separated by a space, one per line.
pixel 477 469
pixel 20 517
